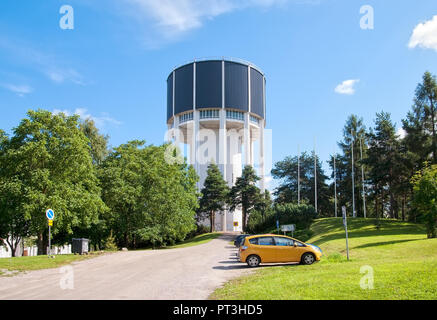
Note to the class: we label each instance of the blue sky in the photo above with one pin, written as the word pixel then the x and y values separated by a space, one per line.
pixel 113 65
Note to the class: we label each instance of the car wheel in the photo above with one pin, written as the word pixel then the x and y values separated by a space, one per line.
pixel 253 261
pixel 308 258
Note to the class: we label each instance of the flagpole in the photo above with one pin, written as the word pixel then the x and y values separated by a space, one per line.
pixel 315 176
pixel 353 177
pixel 362 178
pixel 298 174
pixel 335 187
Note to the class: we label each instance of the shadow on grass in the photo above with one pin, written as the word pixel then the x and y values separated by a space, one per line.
pixel 236 264
pixel 334 228
pixel 383 243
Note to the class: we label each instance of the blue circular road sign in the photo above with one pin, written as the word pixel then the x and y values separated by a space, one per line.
pixel 50 214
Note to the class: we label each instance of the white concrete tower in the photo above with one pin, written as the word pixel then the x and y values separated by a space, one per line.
pixel 217 107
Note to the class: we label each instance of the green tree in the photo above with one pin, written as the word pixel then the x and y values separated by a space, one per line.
pixel 48 161
pixel 354 131
pixel 384 159
pixel 13 225
pixel 214 194
pixel 245 194
pixel 425 197
pixel 98 143
pixel 420 125
pixel 152 201
pixel 264 205
pixel 287 192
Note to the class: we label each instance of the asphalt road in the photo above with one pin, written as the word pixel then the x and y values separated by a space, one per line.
pixel 184 273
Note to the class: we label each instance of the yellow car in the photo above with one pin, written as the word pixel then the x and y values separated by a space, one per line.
pixel 272 248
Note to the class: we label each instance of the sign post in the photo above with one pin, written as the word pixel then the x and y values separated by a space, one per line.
pixel 345 228
pixel 277 225
pixel 50 214
pixel 288 227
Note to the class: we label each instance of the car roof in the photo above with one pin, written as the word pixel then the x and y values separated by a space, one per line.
pixel 271 235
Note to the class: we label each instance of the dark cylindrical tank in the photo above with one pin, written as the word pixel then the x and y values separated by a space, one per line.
pixel 216 84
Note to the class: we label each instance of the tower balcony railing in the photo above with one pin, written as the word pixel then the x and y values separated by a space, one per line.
pixel 254 119
pixel 234 115
pixel 209 114
pixel 185 117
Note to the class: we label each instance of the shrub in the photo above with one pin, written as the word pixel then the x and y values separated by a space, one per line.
pixel 110 244
pixel 425 198
pixel 300 215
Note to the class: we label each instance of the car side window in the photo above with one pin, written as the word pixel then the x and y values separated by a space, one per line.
pixel 300 244
pixel 266 241
pixel 280 241
pixel 253 241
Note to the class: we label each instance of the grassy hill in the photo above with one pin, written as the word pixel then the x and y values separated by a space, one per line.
pixel 403 260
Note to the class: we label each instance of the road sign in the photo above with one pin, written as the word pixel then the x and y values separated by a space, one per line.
pixel 50 214
pixel 343 209
pixel 235 223
pixel 288 227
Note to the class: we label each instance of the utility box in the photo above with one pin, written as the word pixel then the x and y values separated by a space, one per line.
pixel 80 246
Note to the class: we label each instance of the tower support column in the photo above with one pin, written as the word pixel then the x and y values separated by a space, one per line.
pixel 261 156
pixel 222 156
pixel 246 140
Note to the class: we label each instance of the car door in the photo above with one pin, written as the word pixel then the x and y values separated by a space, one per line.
pixel 265 248
pixel 285 250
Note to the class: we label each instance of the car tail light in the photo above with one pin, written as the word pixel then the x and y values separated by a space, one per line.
pixel 243 248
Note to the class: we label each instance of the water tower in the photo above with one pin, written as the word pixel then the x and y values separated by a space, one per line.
pixel 217 108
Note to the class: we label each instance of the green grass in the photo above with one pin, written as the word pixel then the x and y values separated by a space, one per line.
pixel 39 262
pixel 404 263
pixel 200 239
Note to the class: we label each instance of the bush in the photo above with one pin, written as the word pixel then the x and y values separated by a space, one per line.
pixel 424 198
pixel 300 215
pixel 110 244
pixel 303 235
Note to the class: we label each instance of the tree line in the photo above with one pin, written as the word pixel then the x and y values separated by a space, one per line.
pixel 129 196
pixel 390 168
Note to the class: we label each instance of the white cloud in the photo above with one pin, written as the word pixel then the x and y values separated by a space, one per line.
pixel 20 90
pixel 61 75
pixel 83 113
pixel 401 133
pixel 175 17
pixel 347 87
pixel 425 35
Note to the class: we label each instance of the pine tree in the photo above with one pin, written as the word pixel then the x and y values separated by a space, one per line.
pixel 353 131
pixel 245 193
pixel 214 194
pixel 384 161
pixel 420 125
pixel 287 192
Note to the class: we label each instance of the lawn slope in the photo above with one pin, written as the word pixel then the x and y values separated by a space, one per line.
pixel 403 260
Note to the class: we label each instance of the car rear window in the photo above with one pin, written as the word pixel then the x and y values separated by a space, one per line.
pixel 253 241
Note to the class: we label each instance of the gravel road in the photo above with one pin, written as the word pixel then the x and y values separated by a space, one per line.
pixel 182 274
